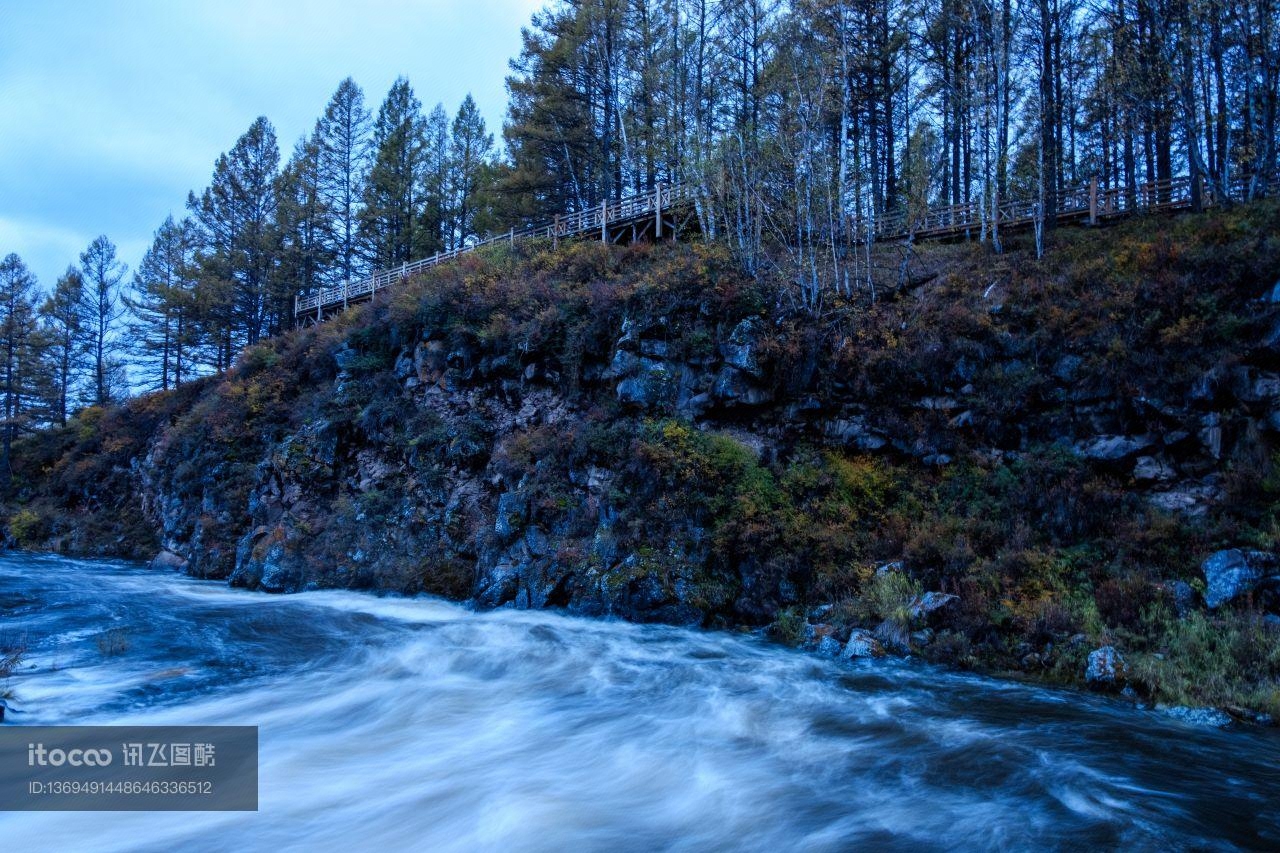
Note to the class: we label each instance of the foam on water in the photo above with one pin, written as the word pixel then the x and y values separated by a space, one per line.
pixel 414 724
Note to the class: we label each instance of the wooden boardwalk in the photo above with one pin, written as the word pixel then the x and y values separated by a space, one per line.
pixel 668 210
pixel 1092 204
pixel 663 212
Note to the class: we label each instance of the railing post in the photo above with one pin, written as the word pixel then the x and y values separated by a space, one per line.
pixel 604 221
pixel 657 214
pixel 555 232
pixel 513 235
pixel 1093 200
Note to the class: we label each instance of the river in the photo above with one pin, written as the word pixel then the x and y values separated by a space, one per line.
pixel 415 724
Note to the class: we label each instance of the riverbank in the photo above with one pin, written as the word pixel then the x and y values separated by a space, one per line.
pixel 1063 469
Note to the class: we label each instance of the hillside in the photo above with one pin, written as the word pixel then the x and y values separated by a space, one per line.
pixel 1006 464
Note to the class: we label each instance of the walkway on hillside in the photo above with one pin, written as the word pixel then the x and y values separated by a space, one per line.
pixel 1090 204
pixel 667 211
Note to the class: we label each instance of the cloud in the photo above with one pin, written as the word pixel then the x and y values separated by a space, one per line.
pixel 112 111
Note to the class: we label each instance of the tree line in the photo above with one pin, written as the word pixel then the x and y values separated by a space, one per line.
pixel 790 120
pixel 794 119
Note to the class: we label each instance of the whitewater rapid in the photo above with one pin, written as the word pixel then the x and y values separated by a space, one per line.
pixel 415 724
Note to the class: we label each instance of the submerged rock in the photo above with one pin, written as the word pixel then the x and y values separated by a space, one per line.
pixel 1207 717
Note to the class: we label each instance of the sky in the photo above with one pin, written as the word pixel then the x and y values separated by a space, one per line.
pixel 111 110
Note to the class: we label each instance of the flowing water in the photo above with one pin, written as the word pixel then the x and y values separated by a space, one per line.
pixel 414 724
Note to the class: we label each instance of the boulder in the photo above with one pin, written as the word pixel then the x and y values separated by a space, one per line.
pixel 1106 666
pixel 862 644
pixel 828 647
pixel 1150 469
pixel 1204 717
pixel 168 560
pixel 1272 296
pixel 1234 572
pixel 1113 448
pixel 925 604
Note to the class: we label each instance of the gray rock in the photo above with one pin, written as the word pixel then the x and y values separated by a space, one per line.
pixel 735 387
pixel 1184 597
pixel 1204 717
pixel 862 644
pixel 499 586
pixel 1150 469
pixel 740 350
pixel 1231 573
pixel 1113 448
pixel 930 602
pixel 513 508
pixel 829 647
pixel 168 560
pixel 1272 296
pixel 1211 434
pixel 895 566
pixel 345 356
pixel 1106 666
pixel 855 432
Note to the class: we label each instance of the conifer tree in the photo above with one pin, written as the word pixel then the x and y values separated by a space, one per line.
pixel 392 202
pixel 100 311
pixel 342 138
pixel 61 317
pixel 19 352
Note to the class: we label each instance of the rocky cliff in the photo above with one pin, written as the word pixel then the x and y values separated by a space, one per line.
pixel 994 462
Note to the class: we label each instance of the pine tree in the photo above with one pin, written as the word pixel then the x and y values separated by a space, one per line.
pixel 470 153
pixel 100 310
pixel 19 350
pixel 343 142
pixel 307 256
pixel 160 333
pixel 240 240
pixel 433 231
pixel 61 317
pixel 392 206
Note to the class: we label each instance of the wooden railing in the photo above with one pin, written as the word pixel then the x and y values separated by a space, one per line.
pixel 1090 202
pixel 608 215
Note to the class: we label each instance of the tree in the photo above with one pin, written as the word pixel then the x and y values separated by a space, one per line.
pixel 239 240
pixel 342 138
pixel 469 156
pixel 161 332
pixel 61 316
pixel 437 213
pixel 392 204
pixel 100 309
pixel 307 252
pixel 19 350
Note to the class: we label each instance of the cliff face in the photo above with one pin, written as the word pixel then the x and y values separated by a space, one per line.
pixel 999 461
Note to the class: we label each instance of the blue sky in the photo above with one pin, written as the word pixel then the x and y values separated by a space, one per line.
pixel 111 110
